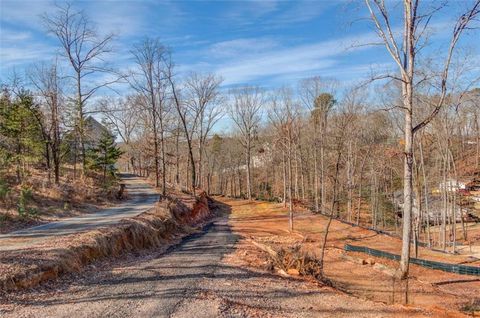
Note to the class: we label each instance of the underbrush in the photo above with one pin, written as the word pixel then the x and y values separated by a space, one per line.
pixel 36 198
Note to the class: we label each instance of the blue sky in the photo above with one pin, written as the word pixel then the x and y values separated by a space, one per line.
pixel 265 43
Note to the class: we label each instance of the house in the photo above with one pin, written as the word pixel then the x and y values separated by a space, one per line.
pixel 93 131
pixel 452 185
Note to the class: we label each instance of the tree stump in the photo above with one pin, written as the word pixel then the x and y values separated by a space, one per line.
pixel 120 193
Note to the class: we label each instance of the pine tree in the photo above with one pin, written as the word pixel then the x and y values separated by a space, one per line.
pixel 105 155
pixel 20 135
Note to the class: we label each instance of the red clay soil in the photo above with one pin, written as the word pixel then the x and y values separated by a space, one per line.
pixel 440 293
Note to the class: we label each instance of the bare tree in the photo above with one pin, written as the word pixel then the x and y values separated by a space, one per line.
pixel 150 81
pixel 339 138
pixel 311 90
pixel 122 114
pixel 245 111
pixel 85 51
pixel 49 85
pixel 284 116
pixel 404 53
pixel 187 119
pixel 203 98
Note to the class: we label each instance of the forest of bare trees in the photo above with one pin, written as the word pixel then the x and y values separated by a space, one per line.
pixel 384 154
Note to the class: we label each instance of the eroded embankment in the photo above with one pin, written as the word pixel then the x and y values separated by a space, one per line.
pixel 171 218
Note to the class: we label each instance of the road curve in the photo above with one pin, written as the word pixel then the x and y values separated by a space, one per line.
pixel 141 198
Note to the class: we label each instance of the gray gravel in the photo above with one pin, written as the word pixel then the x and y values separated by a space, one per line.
pixel 191 280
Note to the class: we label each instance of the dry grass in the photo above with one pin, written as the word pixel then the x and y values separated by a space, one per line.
pixel 50 202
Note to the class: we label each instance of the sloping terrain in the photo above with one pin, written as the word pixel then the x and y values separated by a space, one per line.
pixel 142 197
pixel 366 277
pixel 217 272
pixel 47 202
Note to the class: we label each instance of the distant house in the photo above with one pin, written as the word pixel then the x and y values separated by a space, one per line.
pixel 435 208
pixel 452 185
pixel 93 132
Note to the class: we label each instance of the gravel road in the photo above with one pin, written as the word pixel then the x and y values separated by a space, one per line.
pixel 141 198
pixel 191 280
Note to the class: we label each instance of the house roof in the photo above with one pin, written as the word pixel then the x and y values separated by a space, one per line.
pixel 94 130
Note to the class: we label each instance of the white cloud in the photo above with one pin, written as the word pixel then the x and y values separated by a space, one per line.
pixel 244 46
pixel 123 18
pixel 25 13
pixel 9 36
pixel 19 47
pixel 273 13
pixel 269 67
pixel 290 61
pixel 345 73
pixel 31 43
pixel 12 56
pixel 300 11
pixel 247 12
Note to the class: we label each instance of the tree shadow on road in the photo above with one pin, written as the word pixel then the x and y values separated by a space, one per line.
pixel 191 268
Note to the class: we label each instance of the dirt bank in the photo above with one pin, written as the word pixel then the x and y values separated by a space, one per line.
pixel 173 217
